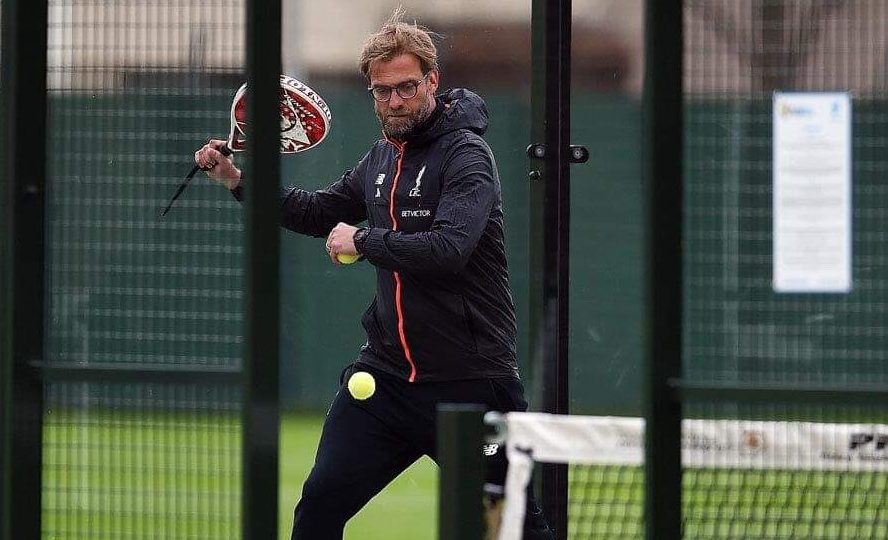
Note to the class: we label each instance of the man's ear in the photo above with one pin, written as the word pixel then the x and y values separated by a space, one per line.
pixel 433 80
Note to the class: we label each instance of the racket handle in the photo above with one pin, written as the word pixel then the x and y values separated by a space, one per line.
pixel 179 190
pixel 224 150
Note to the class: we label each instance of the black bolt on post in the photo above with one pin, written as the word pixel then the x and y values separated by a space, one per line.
pixel 663 135
pixel 22 237
pixel 460 488
pixel 550 230
pixel 261 415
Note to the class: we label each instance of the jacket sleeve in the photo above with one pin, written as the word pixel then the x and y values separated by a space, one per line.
pixel 315 213
pixel 470 187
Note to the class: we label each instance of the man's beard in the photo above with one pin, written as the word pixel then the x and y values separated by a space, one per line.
pixel 408 123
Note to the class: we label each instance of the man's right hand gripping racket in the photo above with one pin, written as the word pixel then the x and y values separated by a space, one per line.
pixel 305 121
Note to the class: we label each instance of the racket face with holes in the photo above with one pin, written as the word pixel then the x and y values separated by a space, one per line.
pixel 305 117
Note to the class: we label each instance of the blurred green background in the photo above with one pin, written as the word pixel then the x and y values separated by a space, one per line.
pixel 129 288
pixel 109 250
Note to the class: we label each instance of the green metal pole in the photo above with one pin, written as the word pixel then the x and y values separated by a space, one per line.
pixel 663 318
pixel 550 232
pixel 461 483
pixel 261 360
pixel 21 278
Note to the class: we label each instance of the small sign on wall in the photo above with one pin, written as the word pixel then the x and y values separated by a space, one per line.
pixel 812 192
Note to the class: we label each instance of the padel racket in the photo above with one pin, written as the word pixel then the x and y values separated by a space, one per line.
pixel 305 122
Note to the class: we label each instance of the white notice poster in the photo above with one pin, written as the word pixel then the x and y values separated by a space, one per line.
pixel 812 192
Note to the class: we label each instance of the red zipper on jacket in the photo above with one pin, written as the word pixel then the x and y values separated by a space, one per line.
pixel 398 307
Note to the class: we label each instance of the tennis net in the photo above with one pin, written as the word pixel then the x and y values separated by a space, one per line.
pixel 741 478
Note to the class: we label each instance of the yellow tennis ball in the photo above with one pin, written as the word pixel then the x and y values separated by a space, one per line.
pixel 361 385
pixel 347 259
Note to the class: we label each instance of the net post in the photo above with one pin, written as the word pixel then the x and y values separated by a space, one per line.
pixel 460 487
pixel 663 133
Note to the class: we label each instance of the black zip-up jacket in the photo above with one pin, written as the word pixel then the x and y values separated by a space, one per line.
pixel 433 204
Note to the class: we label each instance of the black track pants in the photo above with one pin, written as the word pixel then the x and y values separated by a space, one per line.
pixel 366 444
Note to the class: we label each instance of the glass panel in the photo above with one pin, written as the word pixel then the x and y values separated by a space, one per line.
pixel 141 460
pixel 606 250
pixel 134 88
pixel 606 208
pixel 738 327
pixel 483 46
pixel 818 471
pixel 785 470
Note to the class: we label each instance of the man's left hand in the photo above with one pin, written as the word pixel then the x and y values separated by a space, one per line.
pixel 341 241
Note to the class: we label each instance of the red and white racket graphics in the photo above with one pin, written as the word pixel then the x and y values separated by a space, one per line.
pixel 305 117
pixel 305 121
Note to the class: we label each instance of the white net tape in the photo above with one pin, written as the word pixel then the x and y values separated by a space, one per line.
pixel 590 440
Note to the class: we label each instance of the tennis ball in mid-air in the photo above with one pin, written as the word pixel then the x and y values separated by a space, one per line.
pixel 347 259
pixel 361 385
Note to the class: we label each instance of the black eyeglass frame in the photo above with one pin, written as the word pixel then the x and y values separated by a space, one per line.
pixel 401 94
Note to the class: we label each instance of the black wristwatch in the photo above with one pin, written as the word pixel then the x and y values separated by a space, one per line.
pixel 359 238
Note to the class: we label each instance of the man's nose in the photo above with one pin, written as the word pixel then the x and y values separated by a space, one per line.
pixel 396 101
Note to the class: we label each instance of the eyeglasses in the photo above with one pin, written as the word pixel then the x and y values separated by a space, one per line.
pixel 405 90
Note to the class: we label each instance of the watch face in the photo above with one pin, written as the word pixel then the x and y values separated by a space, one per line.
pixel 359 236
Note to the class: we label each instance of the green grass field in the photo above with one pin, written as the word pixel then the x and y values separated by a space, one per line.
pixel 112 474
pixel 117 475
pixel 734 503
pixel 407 509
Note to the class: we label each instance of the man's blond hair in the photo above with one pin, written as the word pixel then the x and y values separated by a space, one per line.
pixel 397 37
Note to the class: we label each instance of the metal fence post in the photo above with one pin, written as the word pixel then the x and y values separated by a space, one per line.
pixel 262 308
pixel 663 303
pixel 550 230
pixel 22 287
pixel 461 484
